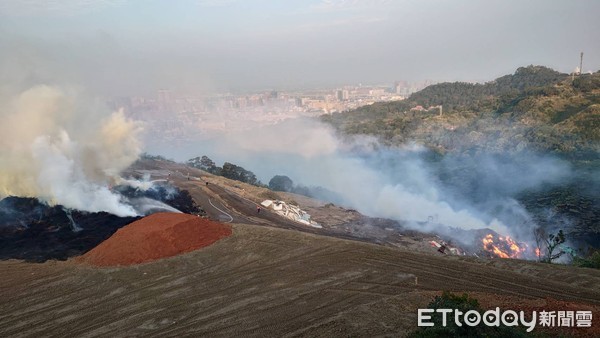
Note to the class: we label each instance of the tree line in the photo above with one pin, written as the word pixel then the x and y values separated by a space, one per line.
pixel 228 170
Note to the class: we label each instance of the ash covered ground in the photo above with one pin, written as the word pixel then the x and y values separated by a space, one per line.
pixel 35 231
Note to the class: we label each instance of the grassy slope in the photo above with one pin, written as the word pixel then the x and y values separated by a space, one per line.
pixel 534 109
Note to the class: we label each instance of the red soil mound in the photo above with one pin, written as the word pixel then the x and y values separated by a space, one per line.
pixel 156 236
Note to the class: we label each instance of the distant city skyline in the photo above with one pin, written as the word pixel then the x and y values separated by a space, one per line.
pixel 136 47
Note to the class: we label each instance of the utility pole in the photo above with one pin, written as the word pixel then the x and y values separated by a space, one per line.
pixel 581 63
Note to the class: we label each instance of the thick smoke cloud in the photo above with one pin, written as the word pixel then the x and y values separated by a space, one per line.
pixel 64 150
pixel 401 183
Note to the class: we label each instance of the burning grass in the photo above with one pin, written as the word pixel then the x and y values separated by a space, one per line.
pixel 503 246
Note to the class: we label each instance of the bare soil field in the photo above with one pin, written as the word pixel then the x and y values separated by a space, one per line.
pixel 263 281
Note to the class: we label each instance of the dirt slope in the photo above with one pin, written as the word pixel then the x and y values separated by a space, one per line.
pixel 262 281
pixel 154 237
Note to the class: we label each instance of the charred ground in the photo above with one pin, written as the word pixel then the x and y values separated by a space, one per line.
pixel 35 231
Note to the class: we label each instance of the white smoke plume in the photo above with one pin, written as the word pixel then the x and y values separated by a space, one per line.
pixel 391 182
pixel 62 150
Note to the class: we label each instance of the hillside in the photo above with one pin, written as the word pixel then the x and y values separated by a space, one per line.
pixel 269 276
pixel 536 108
pixel 268 282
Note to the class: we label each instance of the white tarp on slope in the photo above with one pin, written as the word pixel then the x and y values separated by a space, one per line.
pixel 290 211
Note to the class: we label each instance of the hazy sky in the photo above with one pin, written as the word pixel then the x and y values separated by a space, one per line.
pixel 135 47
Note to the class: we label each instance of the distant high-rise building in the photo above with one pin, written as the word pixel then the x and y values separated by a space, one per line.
pixel 164 95
pixel 400 87
pixel 164 98
pixel 342 95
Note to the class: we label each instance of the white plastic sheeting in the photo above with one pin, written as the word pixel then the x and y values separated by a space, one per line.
pixel 290 211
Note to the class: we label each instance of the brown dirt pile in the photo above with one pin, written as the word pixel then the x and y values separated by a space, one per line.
pixel 154 237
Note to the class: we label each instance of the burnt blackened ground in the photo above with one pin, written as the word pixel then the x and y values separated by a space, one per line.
pixel 34 231
pixel 573 208
pixel 166 193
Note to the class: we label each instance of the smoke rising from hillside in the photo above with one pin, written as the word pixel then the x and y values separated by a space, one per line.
pixel 63 150
pixel 401 183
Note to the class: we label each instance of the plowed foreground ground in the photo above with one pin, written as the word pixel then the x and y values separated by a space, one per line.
pixel 263 281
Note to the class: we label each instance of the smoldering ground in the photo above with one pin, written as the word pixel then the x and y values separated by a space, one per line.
pixel 35 231
pixel 408 183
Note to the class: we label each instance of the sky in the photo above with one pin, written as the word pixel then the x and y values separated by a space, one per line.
pixel 120 47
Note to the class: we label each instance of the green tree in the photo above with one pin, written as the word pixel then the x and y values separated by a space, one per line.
pixel 207 164
pixel 238 173
pixel 203 163
pixel 231 171
pixel 592 261
pixel 281 183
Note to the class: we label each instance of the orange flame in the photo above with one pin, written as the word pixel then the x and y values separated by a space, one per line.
pixel 503 247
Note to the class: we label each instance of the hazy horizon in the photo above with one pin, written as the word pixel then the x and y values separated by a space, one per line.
pixel 118 47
